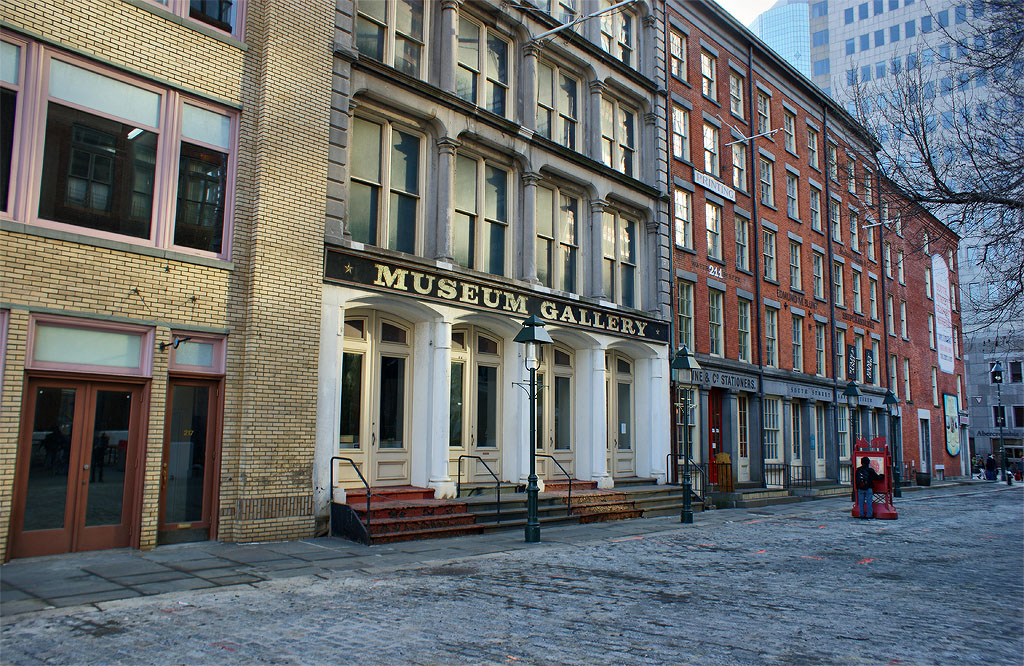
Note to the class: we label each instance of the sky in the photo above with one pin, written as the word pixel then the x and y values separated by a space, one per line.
pixel 745 10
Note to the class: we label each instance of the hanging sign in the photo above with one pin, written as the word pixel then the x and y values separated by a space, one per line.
pixel 943 314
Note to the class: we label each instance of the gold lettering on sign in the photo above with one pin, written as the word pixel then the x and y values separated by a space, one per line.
pixel 417 283
pixel 469 293
pixel 391 279
pixel 548 310
pixel 567 315
pixel 487 297
pixel 640 326
pixel 446 288
pixel 515 303
pixel 585 318
pixel 627 326
pixel 613 323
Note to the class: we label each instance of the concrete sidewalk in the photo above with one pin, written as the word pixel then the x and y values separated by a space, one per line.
pixel 85 578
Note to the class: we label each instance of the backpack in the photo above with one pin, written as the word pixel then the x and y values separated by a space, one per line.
pixel 864 478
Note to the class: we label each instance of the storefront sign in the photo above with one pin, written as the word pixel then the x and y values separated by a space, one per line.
pixel 943 314
pixel 817 393
pixel 432 285
pixel 716 186
pixel 724 380
pixel 1007 433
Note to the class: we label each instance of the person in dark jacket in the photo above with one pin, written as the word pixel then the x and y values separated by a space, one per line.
pixel 990 467
pixel 864 481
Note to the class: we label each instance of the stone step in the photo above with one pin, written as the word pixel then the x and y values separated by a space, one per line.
pixel 356 496
pixel 627 481
pixel 606 516
pixel 557 486
pixel 431 533
pixel 419 523
pixel 391 509
pixel 591 497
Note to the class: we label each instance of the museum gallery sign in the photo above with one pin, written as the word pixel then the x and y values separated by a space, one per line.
pixel 501 298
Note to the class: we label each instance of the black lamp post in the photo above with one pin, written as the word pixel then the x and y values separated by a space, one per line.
pixel 890 403
pixel 997 379
pixel 531 335
pixel 853 394
pixel 683 367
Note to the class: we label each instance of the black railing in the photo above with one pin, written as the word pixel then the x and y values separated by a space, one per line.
pixel 799 476
pixel 497 482
pixel 568 498
pixel 698 474
pixel 846 472
pixel 775 475
pixel 369 534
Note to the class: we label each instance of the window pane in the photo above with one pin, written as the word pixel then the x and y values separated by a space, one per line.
pixel 628 298
pixel 487 406
pixel 206 126
pixel 102 93
pixel 497 59
pixel 465 183
pixel 194 353
pixel 405 159
pixel 410 18
pixel 402 223
pixel 366 143
pixel 494 248
pixel 563 413
pixel 625 424
pixel 97 173
pixel 544 259
pixel 8 106
pixel 407 56
pixel 392 402
pixel 455 409
pixel 10 61
pixel 202 184
pixel 545 204
pixel 105 505
pixel 218 13
pixel 464 239
pixel 188 430
pixel 568 269
pixel 82 346
pixel 47 478
pixel 369 35
pixel 363 207
pixel 495 189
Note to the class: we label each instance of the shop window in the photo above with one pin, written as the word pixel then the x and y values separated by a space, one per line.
pixel 196 353
pixel 557 105
pixel 557 238
pixel 482 72
pixel 393 33
pixel 481 214
pixel 80 345
pixel 384 192
pixel 619 265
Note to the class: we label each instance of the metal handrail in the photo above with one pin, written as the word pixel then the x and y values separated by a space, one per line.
pixel 695 466
pixel 568 499
pixel 369 534
pixel 497 482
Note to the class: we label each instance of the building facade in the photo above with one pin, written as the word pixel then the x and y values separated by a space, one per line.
pixel 785 27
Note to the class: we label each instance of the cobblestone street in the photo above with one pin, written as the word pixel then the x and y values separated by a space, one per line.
pixel 794 584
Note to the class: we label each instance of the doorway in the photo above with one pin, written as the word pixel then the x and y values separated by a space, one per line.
pixel 619 397
pixel 818 442
pixel 926 446
pixel 190 461
pixel 475 396
pixel 77 469
pixel 555 413
pixel 714 432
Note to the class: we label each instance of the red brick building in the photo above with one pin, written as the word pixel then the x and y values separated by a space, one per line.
pixel 782 233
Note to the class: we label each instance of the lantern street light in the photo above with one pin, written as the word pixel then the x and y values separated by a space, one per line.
pixel 853 394
pixel 997 379
pixel 683 367
pixel 890 403
pixel 532 335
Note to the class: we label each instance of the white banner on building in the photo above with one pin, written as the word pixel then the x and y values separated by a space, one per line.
pixel 943 313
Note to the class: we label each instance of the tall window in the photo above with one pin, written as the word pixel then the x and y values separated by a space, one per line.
pixel 906 380
pixel 482 76
pixel 716 339
pixel 815 209
pixel 798 343
pixel 931 331
pixel 764 113
pixel 683 213
pixel 481 214
pixel 840 366
pixel 871 243
pixel 795 278
pixel 713 218
pixel 771 428
pixel 833 217
pixel 617 30
pixel 743 329
pixel 769 254
pixel 742 428
pixel 711 149
pixel 854 231
pixel 386 184
pixel 557 239
pixel 894 382
pixel 903 319
pixel 889 317
pixel 677 54
pixel 742 243
pixel 686 314
pixel 818 261
pixel 819 349
pixel 842 430
pixel 739 166
pixel 618 130
pixel 619 265
pixel 767 182
pixel 557 110
pixel 812 147
pixel 868 189
pixel 796 438
pixel 708 67
pixel 875 379
pixel 792 205
pixel 837 292
pixel 736 94
pixel 680 133
pixel 789 128
pixel 935 387
pixel 887 259
pixel 833 163
pixel 928 281
pixel 851 175
pixel 771 337
pixel 858 304
pixel 858 346
pixel 392 32
pixel 873 297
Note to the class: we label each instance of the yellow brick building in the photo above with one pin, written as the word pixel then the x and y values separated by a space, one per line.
pixel 161 246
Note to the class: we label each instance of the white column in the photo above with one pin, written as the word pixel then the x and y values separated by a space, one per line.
pixel 591 418
pixel 446 147
pixel 447 44
pixel 596 252
pixel 515 414
pixel 653 425
pixel 328 399
pixel 429 409
pixel 528 85
pixel 529 226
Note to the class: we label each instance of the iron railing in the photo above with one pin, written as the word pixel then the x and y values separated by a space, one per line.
pixel 369 534
pixel 775 475
pixel 798 476
pixel 568 498
pixel 845 472
pixel 497 482
pixel 698 474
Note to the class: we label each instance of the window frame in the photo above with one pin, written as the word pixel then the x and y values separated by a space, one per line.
pixel 182 9
pixel 619 221
pixel 798 343
pixel 792 196
pixel 789 130
pixel 612 29
pixel 796 280
pixel 769 257
pixel 685 296
pixel 708 75
pixel 558 243
pixel 390 32
pixel 713 222
pixel 815 206
pixel 483 77
pixel 682 200
pixel 680 119
pixel 818 267
pixel 617 153
pixel 742 241
pixel 838 296
pixel 743 330
pixel 480 214
pixel 145 334
pixel 716 323
pixel 712 151
pixel 677 59
pixel 771 337
pixel 812 148
pixel 766 177
pixel 558 122
pixel 736 94
pixel 739 166
pixel 764 114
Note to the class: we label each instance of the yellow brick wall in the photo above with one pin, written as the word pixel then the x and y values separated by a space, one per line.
pixel 269 302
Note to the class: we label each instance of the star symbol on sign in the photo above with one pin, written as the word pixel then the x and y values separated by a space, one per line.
pixel 348 268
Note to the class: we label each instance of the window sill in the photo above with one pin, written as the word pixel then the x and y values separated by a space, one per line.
pixel 683 160
pixel 737 116
pixel 681 80
pixel 795 219
pixel 771 281
pixel 711 99
pixel 820 299
pixel 190 23
pixel 792 153
pixel 768 205
pixel 687 250
pixel 744 271
pixel 716 260
pixel 796 290
pixel 818 231
pixel 122 246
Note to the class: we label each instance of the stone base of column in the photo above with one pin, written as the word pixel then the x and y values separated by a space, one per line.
pixel 443 488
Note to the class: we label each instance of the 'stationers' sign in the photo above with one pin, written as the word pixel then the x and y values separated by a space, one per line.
pixel 496 297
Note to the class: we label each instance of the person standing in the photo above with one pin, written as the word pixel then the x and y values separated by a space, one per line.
pixel 990 467
pixel 864 481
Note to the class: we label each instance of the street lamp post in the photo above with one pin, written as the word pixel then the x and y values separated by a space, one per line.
pixel 852 394
pixel 890 403
pixel 532 334
pixel 683 367
pixel 997 379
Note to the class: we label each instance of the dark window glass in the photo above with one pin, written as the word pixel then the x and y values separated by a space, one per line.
pixel 848 16
pixel 202 183
pixel 351 399
pixel 97 173
pixel 8 104
pixel 218 13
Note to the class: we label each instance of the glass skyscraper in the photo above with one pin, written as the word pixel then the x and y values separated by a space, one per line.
pixel 786 28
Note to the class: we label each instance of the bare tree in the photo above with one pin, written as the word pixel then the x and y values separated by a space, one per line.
pixel 950 120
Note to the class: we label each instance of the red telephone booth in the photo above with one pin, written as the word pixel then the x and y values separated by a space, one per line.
pixel 877 452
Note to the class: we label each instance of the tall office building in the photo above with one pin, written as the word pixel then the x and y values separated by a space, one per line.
pixel 786 29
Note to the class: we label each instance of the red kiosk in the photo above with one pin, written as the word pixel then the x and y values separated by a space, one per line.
pixel 877 451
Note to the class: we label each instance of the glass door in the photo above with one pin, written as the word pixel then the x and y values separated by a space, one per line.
pixel 190 461
pixel 555 414
pixel 715 435
pixel 75 482
pixel 818 441
pixel 622 459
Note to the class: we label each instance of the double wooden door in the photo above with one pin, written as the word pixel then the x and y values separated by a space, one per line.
pixel 76 484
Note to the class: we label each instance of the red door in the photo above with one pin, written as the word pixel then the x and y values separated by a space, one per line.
pixel 714 431
pixel 77 467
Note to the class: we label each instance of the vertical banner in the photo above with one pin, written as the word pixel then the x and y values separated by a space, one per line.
pixel 943 313
pixel 851 362
pixel 951 407
pixel 869 366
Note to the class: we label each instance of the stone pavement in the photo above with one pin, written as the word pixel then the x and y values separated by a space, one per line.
pixel 796 583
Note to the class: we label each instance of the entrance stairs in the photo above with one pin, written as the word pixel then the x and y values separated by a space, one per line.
pixel 407 513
